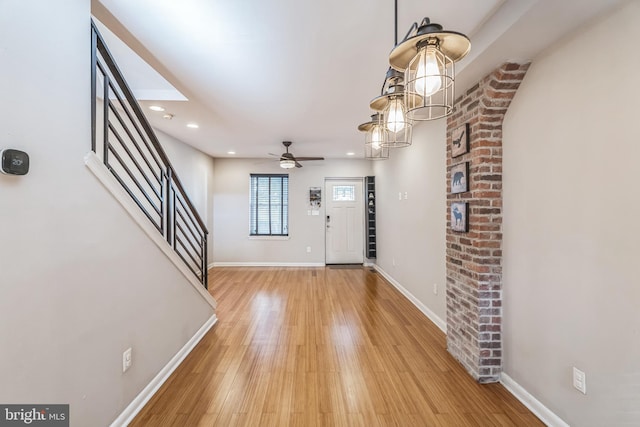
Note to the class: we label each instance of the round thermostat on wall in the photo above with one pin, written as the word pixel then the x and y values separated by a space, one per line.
pixel 14 162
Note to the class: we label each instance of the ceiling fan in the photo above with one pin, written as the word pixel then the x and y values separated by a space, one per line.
pixel 288 160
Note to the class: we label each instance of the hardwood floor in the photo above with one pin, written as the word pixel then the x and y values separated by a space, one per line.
pixel 323 347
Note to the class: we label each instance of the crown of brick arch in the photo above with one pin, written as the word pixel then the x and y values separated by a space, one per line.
pixel 474 259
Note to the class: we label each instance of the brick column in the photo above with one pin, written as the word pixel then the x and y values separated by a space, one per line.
pixel 474 259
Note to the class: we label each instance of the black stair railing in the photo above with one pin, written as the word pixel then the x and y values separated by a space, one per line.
pixel 128 147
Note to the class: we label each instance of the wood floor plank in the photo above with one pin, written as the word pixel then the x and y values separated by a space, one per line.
pixel 323 347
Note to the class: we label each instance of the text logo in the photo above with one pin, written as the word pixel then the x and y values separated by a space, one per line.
pixel 34 415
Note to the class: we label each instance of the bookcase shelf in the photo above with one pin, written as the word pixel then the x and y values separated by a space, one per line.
pixel 370 185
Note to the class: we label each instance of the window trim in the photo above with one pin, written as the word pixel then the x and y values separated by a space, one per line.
pixel 253 204
pixel 268 237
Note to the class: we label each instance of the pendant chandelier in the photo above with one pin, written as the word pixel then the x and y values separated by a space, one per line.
pixel 427 56
pixel 375 147
pixel 419 85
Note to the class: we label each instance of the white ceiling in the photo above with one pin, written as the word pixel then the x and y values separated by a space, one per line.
pixel 257 72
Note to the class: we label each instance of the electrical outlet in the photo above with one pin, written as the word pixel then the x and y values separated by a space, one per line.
pixel 127 359
pixel 579 380
pixel 308 249
pixel 406 195
pixel 400 195
pixel 435 288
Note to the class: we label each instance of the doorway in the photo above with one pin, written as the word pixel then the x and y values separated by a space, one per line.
pixel 344 221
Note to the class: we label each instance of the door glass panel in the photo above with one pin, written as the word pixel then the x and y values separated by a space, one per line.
pixel 344 193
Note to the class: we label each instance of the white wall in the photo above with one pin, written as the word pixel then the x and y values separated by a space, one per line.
pixel 412 232
pixel 231 211
pixel 80 282
pixel 571 229
pixel 195 170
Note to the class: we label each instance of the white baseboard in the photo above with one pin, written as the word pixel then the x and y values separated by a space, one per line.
pixel 423 308
pixel 268 264
pixel 534 405
pixel 96 166
pixel 147 393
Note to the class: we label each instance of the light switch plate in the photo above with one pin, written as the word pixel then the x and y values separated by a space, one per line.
pixel 127 359
pixel 579 380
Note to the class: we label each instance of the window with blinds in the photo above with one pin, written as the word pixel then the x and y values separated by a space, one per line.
pixel 269 204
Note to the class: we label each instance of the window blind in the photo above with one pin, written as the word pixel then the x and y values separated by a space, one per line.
pixel 269 205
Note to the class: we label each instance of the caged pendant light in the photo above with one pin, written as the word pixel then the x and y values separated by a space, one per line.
pixel 418 86
pixel 392 104
pixel 427 56
pixel 375 147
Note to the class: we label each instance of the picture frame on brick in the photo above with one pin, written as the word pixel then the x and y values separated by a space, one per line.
pixel 460 216
pixel 459 176
pixel 460 140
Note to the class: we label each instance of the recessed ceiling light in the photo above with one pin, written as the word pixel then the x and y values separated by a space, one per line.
pixel 351 153
pixel 156 108
pixel 168 116
pixel 193 125
pixel 231 152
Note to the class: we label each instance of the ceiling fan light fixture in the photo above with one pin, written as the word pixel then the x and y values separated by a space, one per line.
pixel 287 163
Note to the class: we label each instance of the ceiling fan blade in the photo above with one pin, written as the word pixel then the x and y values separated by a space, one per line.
pixel 309 158
pixel 287 156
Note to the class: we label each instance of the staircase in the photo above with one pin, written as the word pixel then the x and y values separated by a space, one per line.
pixel 126 145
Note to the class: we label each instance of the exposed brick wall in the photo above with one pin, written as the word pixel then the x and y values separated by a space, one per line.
pixel 474 259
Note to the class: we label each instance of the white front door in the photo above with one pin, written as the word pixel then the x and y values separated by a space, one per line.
pixel 344 221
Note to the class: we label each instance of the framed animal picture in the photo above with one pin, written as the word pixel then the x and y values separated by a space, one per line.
pixel 460 140
pixel 460 216
pixel 459 178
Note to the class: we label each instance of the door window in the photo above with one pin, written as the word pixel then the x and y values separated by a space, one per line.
pixel 344 193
